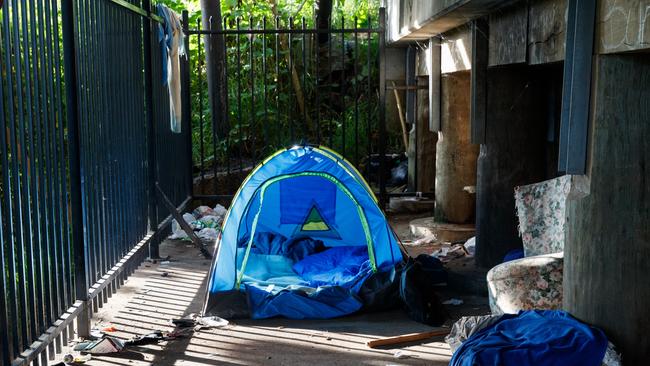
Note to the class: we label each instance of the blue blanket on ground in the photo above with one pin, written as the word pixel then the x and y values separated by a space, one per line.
pixel 534 337
pixel 339 266
pixel 319 285
pixel 302 303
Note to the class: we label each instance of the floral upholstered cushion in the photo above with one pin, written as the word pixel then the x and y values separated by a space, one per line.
pixel 541 212
pixel 526 283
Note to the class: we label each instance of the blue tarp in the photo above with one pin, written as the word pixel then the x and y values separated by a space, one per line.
pixel 535 337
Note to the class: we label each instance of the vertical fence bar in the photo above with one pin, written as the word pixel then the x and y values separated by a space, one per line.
pixel 216 139
pixel 368 103
pixel 10 180
pixel 41 287
pixel 251 130
pixel 154 250
pixel 291 87
pixel 330 98
pixel 266 78
pixel 21 188
pixel 62 182
pixel 6 342
pixel 382 107
pixel 277 83
pixel 306 127
pixel 239 111
pixel 79 250
pixel 186 102
pixel 199 76
pixel 341 85
pixel 28 173
pixel 356 93
pixel 227 111
pixel 53 225
pixel 316 41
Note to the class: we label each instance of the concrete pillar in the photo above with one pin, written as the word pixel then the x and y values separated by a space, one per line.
pixel 607 250
pixel 514 153
pixel 395 73
pixel 455 155
pixel 426 142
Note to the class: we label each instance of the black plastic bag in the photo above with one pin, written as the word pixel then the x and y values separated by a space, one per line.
pixel 418 290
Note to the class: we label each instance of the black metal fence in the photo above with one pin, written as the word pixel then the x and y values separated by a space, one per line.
pixel 85 136
pixel 289 82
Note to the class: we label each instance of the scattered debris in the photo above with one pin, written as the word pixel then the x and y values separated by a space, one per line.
pixel 612 358
pixel 185 322
pixel 470 246
pixel 75 360
pixel 211 322
pixel 200 322
pixel 453 302
pixel 400 355
pixel 101 346
pixel 464 327
pixel 203 211
pixel 204 220
pixel 96 334
pixel 208 234
pixel 153 337
pixel 165 274
pixel 177 231
pixel 470 189
pixel 429 239
pixel 449 252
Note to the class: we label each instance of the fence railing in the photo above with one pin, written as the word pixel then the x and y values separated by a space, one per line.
pixel 289 82
pixel 85 132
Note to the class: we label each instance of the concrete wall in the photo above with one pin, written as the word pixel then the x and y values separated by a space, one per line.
pixel 516 151
pixel 607 251
pixel 418 20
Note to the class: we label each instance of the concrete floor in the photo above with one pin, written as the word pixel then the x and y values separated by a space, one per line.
pixel 149 300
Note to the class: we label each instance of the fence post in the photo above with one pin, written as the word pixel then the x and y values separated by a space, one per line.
pixel 382 107
pixel 185 101
pixel 74 143
pixel 151 132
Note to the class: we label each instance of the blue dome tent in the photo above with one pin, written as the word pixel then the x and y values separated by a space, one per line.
pixel 302 235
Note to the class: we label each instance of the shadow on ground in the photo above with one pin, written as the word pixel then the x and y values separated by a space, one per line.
pixel 157 293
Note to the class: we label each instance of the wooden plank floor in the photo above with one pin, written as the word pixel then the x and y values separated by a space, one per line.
pixel 149 300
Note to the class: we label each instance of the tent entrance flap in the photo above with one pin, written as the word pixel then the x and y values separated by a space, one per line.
pixel 316 220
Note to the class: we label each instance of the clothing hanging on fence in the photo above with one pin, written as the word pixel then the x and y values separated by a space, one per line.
pixel 170 37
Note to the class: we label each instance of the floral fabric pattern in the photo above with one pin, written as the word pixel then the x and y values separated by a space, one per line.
pixel 541 212
pixel 534 282
pixel 526 283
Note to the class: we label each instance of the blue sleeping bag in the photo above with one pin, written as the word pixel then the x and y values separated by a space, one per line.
pixel 324 285
pixel 535 337
pixel 339 266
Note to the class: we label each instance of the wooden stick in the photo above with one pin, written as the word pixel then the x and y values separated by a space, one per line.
pixel 406 338
pixel 402 119
pixel 181 221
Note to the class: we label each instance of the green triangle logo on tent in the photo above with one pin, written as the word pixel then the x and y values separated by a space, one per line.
pixel 314 221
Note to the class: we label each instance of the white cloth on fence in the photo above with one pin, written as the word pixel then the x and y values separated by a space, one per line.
pixel 170 36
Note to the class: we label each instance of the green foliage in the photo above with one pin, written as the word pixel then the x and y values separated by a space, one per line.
pixel 261 120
